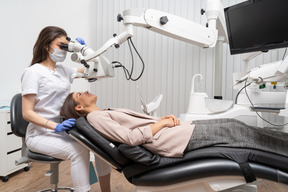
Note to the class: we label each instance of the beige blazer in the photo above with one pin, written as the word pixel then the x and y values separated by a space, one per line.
pixel 132 128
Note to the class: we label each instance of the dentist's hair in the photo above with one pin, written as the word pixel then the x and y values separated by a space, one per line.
pixel 46 36
pixel 68 108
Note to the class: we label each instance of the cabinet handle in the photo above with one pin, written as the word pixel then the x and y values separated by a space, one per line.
pixel 13 151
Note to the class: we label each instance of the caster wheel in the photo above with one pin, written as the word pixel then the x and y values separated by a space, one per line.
pixel 5 179
pixel 26 168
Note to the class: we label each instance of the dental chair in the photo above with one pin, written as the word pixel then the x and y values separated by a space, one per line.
pixel 19 126
pixel 204 170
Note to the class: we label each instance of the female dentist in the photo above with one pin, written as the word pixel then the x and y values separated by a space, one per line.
pixel 45 86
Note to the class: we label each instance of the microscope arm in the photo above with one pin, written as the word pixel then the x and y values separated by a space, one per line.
pixel 157 21
pixel 115 41
pixel 171 26
pixel 96 68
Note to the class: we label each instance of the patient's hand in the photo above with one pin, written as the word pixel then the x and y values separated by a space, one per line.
pixel 176 121
pixel 168 121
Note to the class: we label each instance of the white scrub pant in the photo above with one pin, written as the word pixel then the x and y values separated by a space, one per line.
pixel 102 168
pixel 63 147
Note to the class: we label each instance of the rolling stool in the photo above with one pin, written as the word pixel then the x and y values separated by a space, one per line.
pixel 19 126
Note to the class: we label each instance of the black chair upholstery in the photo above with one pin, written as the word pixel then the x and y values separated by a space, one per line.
pixel 198 164
pixel 19 126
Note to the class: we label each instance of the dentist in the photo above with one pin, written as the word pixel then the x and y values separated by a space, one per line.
pixel 45 85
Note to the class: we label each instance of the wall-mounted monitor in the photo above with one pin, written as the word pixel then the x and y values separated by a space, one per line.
pixel 257 25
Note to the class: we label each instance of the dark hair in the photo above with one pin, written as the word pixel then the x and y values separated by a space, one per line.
pixel 46 36
pixel 68 111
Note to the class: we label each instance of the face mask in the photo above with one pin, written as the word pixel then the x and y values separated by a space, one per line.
pixel 58 55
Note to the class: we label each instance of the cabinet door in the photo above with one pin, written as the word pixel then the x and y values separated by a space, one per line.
pixel 10 146
pixel 7 122
pixel 10 163
pixel 13 143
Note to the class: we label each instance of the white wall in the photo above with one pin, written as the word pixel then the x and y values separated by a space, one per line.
pixel 169 64
pixel 21 22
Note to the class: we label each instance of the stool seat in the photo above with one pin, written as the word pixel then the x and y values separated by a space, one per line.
pixel 40 157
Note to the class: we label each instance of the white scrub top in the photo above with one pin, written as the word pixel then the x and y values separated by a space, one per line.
pixel 51 89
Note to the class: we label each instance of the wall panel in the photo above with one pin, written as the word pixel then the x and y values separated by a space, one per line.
pixel 169 63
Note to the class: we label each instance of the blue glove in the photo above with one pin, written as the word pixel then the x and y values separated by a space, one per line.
pixel 81 41
pixel 65 125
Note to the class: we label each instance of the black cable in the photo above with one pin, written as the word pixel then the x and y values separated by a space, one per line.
pixel 257 111
pixel 128 74
pixel 285 51
pixel 240 92
pixel 143 64
pixel 132 59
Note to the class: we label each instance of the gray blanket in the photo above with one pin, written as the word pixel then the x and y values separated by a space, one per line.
pixel 234 133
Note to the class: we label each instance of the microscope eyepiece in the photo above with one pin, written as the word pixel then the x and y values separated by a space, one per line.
pixel 64 46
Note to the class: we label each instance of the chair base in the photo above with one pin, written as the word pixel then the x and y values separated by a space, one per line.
pixel 58 189
pixel 208 184
pixel 53 173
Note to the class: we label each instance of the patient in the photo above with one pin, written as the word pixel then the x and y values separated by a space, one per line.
pixel 167 136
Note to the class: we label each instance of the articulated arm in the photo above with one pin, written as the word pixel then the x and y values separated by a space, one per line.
pixel 163 23
pixel 271 72
pixel 98 67
pixel 171 26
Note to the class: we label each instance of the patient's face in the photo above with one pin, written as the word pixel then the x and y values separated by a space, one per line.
pixel 84 98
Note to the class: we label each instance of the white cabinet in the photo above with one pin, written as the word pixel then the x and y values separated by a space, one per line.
pixel 10 147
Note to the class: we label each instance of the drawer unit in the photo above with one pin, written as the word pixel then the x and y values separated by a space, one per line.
pixel 10 147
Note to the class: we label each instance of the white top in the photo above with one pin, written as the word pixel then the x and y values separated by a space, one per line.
pixel 51 89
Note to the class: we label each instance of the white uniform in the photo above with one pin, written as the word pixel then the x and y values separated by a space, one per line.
pixel 51 89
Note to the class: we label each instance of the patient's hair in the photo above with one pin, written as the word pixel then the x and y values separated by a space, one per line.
pixel 68 109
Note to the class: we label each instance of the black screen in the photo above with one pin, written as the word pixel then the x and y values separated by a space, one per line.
pixel 258 25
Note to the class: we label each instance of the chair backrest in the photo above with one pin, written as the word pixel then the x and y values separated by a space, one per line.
pixel 121 153
pixel 18 124
pixel 99 140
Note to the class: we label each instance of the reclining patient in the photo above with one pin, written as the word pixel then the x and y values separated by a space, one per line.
pixel 167 136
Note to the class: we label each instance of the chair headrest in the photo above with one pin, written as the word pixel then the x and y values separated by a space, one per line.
pixel 18 124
